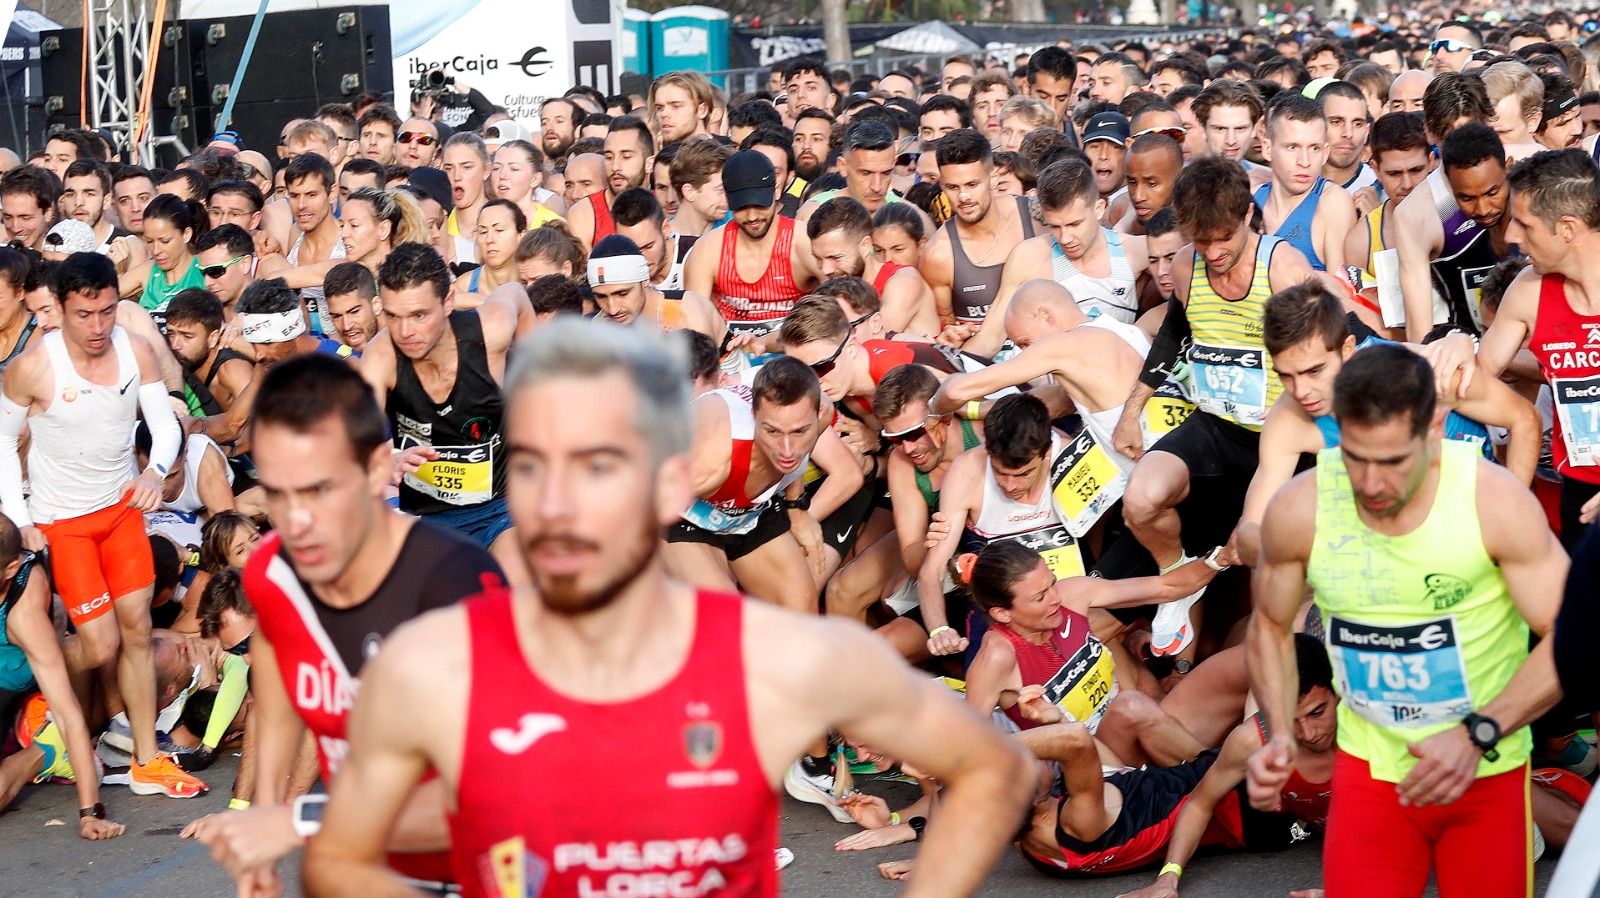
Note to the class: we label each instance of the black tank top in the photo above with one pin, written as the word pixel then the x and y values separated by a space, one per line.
pixel 22 342
pixel 465 429
pixel 1460 278
pixel 973 287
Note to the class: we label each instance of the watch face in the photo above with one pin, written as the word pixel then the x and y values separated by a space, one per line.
pixel 1483 732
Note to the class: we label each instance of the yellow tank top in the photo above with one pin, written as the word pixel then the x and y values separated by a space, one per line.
pixel 1233 376
pixel 1375 232
pixel 1420 628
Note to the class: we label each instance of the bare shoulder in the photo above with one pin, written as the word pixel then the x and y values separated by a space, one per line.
pixel 1291 517
pixel 1509 516
pixel 420 649
pixel 812 648
pixel 1030 251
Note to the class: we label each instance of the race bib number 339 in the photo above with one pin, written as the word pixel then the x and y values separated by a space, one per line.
pixel 1406 676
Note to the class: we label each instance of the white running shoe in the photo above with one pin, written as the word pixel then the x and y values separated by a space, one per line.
pixel 814 789
pixel 1171 631
pixel 783 857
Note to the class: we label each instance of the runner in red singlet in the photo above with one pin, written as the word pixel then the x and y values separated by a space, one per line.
pixel 841 244
pixel 628 148
pixel 754 294
pixel 341 571
pixel 605 663
pixel 1554 309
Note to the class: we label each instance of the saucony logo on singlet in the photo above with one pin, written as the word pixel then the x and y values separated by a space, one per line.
pixel 530 729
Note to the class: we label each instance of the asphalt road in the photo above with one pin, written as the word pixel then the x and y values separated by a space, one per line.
pixel 40 859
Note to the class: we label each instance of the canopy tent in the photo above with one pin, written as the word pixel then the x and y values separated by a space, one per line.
pixel 932 37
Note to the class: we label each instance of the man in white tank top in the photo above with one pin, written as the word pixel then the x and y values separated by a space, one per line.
pixel 1098 266
pixel 78 391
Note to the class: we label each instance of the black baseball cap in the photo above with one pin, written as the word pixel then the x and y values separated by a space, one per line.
pixel 1112 126
pixel 749 179
pixel 434 184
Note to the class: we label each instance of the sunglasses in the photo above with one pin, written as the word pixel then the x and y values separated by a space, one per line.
pixel 909 435
pixel 418 138
pixel 822 368
pixel 1449 44
pixel 1176 132
pixel 216 271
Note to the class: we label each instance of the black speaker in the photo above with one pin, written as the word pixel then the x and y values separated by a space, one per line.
pixel 258 123
pixel 312 57
pixel 61 69
pixel 174 71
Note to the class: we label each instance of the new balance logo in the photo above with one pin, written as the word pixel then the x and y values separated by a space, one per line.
pixel 530 729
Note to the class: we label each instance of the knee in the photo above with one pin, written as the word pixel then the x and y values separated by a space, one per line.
pixel 1141 502
pixel 1134 710
pixel 100 645
pixel 135 630
pixel 840 597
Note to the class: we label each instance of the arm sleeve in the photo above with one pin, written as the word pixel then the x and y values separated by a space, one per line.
pixel 230 696
pixel 1578 619
pixel 482 108
pixel 12 419
pixel 1164 349
pixel 165 435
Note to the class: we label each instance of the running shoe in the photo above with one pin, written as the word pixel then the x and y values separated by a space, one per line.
pixel 1171 631
pixel 162 776
pixel 119 736
pixel 1577 756
pixel 32 718
pixel 56 765
pixel 814 788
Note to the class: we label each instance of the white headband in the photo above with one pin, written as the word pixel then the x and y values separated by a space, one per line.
pixel 272 327
pixel 618 270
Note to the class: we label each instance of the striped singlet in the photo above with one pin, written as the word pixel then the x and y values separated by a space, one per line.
pixel 759 306
pixel 1233 376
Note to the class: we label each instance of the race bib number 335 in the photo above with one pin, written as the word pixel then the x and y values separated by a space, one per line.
pixel 1406 676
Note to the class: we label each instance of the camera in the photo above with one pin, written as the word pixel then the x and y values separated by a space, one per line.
pixel 433 82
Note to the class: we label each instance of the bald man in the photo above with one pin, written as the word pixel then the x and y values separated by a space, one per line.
pixel 1405 94
pixel 585 174
pixel 1154 163
pixel 1090 359
pixel 417 144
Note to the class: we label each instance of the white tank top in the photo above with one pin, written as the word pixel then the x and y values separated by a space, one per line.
pixel 81 453
pixel 1004 516
pixel 195 450
pixel 1104 422
pixel 1112 295
pixel 316 297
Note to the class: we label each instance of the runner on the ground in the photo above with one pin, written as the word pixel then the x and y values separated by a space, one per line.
pixel 1429 567
pixel 510 686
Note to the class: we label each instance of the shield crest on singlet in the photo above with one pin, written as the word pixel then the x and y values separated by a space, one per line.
pixel 702 742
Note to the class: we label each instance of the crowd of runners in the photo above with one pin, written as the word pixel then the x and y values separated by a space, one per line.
pixel 1147 450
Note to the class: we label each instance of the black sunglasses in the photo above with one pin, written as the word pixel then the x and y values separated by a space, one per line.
pixel 828 364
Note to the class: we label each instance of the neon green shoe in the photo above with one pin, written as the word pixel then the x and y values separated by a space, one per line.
pixel 56 764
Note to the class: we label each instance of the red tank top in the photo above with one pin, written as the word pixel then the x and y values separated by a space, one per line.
pixel 884 274
pixel 604 224
pixel 771 296
pixel 1307 801
pixel 657 795
pixel 1074 668
pixel 314 675
pixel 1567 346
pixel 732 494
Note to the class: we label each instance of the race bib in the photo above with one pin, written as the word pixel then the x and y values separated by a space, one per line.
pixel 1410 676
pixel 753 328
pixel 1056 546
pixel 1085 481
pixel 461 475
pixel 1163 412
pixel 732 521
pixel 1578 409
pixel 1472 286
pixel 1084 688
pixel 1230 382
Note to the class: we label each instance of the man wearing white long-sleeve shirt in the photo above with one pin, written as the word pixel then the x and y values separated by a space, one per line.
pixel 78 390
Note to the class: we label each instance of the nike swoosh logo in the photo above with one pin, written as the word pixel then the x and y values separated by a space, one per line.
pixel 530 729
pixel 844 536
pixel 1066 629
pixel 125 386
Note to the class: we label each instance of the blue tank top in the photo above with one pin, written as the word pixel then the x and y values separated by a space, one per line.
pixel 1456 425
pixel 1296 229
pixel 15 674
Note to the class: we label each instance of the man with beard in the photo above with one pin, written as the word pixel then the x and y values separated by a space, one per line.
pixel 628 148
pixel 227 261
pixel 437 373
pixel 1154 162
pixel 841 244
pixel 378 127
pixel 214 375
pixel 84 191
pixel 727 714
pixel 350 290
pixel 558 126
pixel 619 275
pixel 641 219
pixel 963 262
pixel 329 585
pixel 813 129
pixel 1345 108
pixel 868 163
pixel 754 267
pixel 1051 74
pixel 679 104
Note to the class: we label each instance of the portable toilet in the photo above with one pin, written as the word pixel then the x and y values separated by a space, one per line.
pixel 693 38
pixel 636 41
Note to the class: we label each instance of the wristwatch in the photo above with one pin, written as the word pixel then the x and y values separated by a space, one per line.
pixel 307 815
pixel 98 812
pixel 917 824
pixel 1484 733
pixel 801 504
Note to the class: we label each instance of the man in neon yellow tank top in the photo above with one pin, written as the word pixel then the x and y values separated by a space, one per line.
pixel 1222 287
pixel 1429 566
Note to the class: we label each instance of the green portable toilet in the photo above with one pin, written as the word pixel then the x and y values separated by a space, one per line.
pixel 636 41
pixel 693 38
